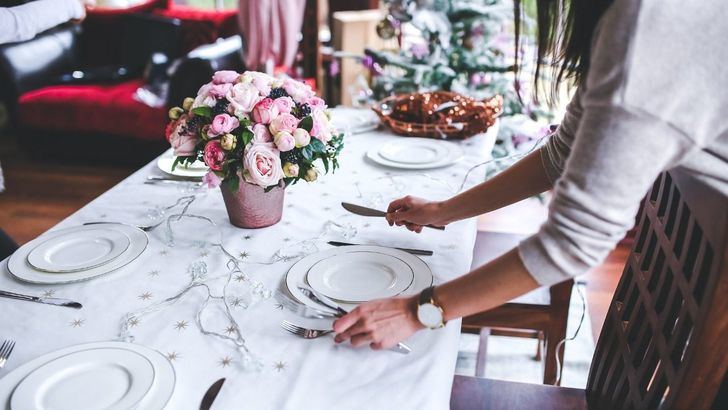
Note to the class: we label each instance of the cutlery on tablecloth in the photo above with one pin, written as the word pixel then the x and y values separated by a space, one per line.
pixel 147 228
pixel 175 178
pixel 211 394
pixel 412 251
pixel 172 181
pixel 326 301
pixel 5 350
pixel 364 211
pixel 304 332
pixel 38 299
pixel 303 310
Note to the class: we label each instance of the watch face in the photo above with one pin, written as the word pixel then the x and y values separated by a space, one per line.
pixel 429 315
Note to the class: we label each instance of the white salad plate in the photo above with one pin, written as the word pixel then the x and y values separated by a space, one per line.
pixel 59 380
pixel 77 251
pixel 102 378
pixel 297 274
pixel 360 276
pixel 196 169
pixel 415 153
pixel 19 267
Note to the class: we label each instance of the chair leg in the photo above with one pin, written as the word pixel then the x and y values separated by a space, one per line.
pixel 556 332
pixel 482 352
pixel 539 347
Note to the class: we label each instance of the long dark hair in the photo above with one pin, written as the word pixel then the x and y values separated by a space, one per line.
pixel 564 38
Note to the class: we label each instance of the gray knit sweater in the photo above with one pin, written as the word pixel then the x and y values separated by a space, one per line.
pixel 655 98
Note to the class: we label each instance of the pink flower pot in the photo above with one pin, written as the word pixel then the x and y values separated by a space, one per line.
pixel 251 207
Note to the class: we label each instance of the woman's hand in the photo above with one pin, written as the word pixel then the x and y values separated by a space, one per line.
pixel 414 213
pixel 380 323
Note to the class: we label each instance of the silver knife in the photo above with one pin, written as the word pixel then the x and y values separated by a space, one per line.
pixel 408 250
pixel 364 211
pixel 211 394
pixel 37 299
pixel 326 301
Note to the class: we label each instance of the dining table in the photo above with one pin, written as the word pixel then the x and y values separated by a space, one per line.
pixel 286 372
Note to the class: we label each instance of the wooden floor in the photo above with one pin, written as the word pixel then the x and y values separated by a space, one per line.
pixel 40 194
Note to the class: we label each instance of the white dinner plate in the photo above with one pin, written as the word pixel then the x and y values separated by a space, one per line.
pixel 360 276
pixel 156 398
pixel 100 378
pixel 19 267
pixel 79 250
pixel 415 153
pixel 196 169
pixel 297 274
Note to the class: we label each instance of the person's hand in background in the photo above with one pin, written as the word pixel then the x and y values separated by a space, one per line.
pixel 414 213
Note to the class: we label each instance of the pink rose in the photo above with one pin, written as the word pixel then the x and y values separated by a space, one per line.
pixel 284 141
pixel 284 122
pixel 243 97
pixel 225 76
pixel 214 155
pixel 261 133
pixel 284 104
pixel 301 137
pixel 183 143
pixel 261 81
pixel 300 92
pixel 321 128
pixel 220 90
pixel 265 111
pixel 222 124
pixel 211 180
pixel 316 102
pixel 262 164
pixel 204 99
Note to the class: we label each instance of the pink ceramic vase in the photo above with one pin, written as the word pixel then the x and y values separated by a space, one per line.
pixel 251 207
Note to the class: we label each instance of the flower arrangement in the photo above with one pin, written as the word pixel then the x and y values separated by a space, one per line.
pixel 255 127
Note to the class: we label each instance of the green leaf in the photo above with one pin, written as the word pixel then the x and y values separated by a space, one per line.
pixel 247 137
pixel 306 123
pixel 203 111
pixel 177 160
pixel 326 164
pixel 233 183
pixel 307 152
pixel 317 145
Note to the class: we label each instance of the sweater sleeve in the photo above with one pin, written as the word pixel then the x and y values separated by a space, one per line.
pixel 24 22
pixel 556 150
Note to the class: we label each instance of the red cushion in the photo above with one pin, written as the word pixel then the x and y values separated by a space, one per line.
pixel 202 26
pixel 101 109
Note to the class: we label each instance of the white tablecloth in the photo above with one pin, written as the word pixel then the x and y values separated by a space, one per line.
pixel 296 373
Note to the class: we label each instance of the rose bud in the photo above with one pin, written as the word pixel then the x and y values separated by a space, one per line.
pixel 311 175
pixel 175 112
pixel 229 141
pixel 290 170
pixel 187 103
pixel 284 141
pixel 302 137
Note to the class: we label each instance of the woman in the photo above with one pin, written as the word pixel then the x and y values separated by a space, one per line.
pixel 651 97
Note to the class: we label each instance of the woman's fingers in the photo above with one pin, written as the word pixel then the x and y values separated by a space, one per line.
pixel 361 339
pixel 347 321
pixel 357 328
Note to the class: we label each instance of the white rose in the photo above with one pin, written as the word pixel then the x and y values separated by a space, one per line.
pixel 243 97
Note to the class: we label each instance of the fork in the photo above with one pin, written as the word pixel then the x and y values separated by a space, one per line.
pixel 304 332
pixel 5 350
pixel 147 228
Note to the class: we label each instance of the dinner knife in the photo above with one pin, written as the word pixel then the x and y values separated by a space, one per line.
pixel 329 303
pixel 412 251
pixel 37 299
pixel 364 211
pixel 211 394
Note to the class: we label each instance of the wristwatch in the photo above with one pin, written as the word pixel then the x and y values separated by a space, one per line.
pixel 429 313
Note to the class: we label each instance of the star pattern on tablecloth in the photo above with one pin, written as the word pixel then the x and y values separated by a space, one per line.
pixel 286 223
pixel 204 254
pixel 163 252
pixel 326 208
pixel 449 246
pixel 49 293
pixel 172 356
pixel 102 216
pixel 324 194
pixel 225 361
pixel 77 322
pixel 239 278
pixel 243 254
pixel 278 306
pixel 133 322
pixel 279 366
pixel 231 329
pixel 145 296
pixel 180 325
pixel 367 225
pixel 247 237
pixel 237 302
pixel 154 273
pixel 286 239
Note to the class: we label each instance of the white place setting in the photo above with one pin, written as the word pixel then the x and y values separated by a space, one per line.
pixel 170 309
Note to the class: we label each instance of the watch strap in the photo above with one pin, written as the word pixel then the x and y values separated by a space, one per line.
pixel 426 296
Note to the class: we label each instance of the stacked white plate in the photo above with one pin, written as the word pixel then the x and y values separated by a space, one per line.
pixel 100 375
pixel 416 153
pixel 78 253
pixel 196 169
pixel 355 274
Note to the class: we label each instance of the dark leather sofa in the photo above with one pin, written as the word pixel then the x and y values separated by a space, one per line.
pixel 100 120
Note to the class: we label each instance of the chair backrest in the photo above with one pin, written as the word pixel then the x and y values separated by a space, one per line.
pixel 663 344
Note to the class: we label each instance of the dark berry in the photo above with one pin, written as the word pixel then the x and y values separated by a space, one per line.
pixel 293 156
pixel 278 92
pixel 300 111
pixel 220 107
pixel 193 124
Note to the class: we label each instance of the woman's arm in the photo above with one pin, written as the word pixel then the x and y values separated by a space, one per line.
pixel 23 22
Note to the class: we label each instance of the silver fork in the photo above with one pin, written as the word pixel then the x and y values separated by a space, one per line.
pixel 304 332
pixel 147 228
pixel 5 350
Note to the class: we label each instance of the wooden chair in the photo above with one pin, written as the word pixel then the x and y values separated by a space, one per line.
pixel 541 314
pixel 663 344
